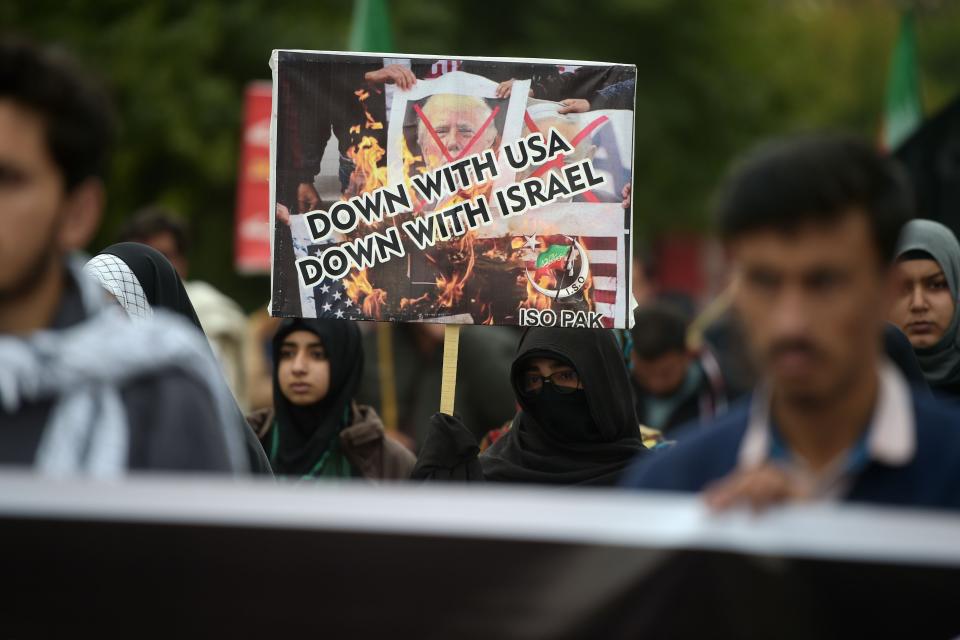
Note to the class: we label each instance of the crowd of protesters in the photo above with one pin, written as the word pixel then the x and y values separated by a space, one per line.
pixel 843 305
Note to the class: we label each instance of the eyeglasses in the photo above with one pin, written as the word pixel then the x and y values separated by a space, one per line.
pixel 566 381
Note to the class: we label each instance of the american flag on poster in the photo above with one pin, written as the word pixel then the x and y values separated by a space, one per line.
pixel 329 298
pixel 313 299
pixel 332 301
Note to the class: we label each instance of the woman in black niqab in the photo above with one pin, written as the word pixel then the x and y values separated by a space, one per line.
pixel 583 438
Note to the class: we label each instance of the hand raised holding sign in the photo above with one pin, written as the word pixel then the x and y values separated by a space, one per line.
pixel 392 74
pixel 505 88
pixel 574 105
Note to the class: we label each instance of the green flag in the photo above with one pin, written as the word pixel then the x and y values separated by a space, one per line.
pixel 553 257
pixel 904 110
pixel 370 30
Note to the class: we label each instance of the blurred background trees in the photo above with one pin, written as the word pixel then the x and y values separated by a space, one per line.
pixel 713 78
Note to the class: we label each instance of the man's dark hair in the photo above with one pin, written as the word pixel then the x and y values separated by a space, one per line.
pixel 154 220
pixel 659 328
pixel 76 112
pixel 791 182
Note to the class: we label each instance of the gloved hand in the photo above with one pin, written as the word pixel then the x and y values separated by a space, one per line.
pixel 449 452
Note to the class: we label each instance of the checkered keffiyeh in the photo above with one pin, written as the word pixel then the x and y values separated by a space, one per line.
pixel 117 278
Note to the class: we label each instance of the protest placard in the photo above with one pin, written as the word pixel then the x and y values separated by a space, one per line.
pixel 476 191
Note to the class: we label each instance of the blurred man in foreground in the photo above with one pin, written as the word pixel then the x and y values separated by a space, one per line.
pixel 811 225
pixel 82 389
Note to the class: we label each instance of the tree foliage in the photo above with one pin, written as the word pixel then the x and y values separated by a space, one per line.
pixel 713 78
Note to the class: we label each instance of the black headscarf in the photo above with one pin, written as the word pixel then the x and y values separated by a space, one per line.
pixel 594 449
pixel 159 280
pixel 305 433
pixel 163 289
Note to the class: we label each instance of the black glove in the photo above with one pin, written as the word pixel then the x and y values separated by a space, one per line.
pixel 449 452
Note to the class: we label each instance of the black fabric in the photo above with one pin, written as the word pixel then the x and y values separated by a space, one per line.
pixel 931 157
pixel 285 299
pixel 305 433
pixel 586 83
pixel 899 350
pixel 157 277
pixel 567 413
pixel 580 451
pixel 947 391
pixel 163 288
pixel 686 412
pixel 449 452
pixel 172 419
pixel 361 581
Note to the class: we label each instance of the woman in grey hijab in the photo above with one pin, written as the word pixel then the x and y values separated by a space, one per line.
pixel 925 307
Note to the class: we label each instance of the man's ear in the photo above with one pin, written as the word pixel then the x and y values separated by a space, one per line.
pixel 83 208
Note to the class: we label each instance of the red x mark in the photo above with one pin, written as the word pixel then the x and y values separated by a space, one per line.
pixel 558 161
pixel 443 147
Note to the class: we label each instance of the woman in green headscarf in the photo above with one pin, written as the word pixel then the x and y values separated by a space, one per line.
pixel 925 306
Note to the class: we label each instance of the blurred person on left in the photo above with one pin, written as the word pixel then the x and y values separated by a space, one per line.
pixel 82 389
pixel 811 224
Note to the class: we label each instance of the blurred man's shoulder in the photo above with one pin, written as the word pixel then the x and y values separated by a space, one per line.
pixel 702 453
pixel 175 425
pixel 937 420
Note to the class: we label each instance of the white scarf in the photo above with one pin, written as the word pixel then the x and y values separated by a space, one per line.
pixel 82 369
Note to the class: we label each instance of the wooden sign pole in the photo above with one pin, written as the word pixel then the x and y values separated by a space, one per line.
pixel 448 380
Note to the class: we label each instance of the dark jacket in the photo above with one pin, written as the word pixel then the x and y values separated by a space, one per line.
pixel 931 479
pixel 702 404
pixel 605 87
pixel 374 454
pixel 173 422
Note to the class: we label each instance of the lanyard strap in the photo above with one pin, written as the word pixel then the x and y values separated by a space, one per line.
pixel 275 446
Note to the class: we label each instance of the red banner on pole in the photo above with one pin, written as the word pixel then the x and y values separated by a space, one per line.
pixel 252 226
